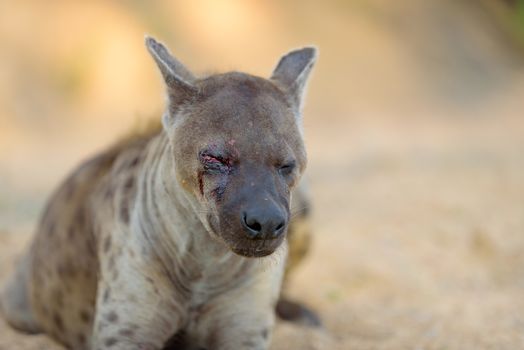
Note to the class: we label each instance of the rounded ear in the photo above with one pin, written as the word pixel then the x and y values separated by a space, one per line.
pixel 292 72
pixel 179 80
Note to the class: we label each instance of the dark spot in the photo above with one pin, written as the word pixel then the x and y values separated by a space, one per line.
pixel 131 252
pixel 81 338
pixel 249 343
pixel 133 163
pixel 88 274
pixel 265 333
pixel 126 332
pixel 110 342
pixel 59 323
pixel 129 183
pixel 85 316
pixel 112 317
pixel 51 227
pixel 80 217
pixel 90 247
pixel 107 243
pixel 153 284
pixel 66 270
pixel 71 233
pixel 109 193
pixel 119 251
pixel 124 213
pixel 44 310
pixel 107 295
pixel 58 298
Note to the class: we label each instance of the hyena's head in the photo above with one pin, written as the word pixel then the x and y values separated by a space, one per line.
pixel 237 146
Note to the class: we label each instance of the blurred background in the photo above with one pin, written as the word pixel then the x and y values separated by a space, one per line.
pixel 414 128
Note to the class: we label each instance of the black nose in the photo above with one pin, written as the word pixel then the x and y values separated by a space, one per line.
pixel 264 223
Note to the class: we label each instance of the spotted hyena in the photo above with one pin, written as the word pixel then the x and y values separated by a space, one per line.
pixel 175 236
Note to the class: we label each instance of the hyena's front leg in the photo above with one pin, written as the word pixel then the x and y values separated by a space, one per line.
pixel 136 308
pixel 243 318
pixel 141 320
pixel 235 323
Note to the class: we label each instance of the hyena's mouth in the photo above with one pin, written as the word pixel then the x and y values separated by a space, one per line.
pixel 252 253
pixel 256 249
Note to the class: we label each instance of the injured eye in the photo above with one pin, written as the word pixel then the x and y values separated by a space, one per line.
pixel 214 164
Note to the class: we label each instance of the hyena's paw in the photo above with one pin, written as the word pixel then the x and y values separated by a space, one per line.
pixel 292 311
pixel 14 301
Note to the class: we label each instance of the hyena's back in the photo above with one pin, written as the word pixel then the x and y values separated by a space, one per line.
pixel 55 285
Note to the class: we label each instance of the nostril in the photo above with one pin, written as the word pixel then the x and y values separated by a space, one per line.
pixel 279 229
pixel 255 226
pixel 252 225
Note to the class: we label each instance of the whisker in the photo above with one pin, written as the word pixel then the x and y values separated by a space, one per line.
pixel 300 209
pixel 297 212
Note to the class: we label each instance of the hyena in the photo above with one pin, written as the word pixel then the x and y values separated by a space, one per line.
pixel 174 238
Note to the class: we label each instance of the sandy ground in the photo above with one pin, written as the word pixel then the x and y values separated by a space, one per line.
pixel 419 239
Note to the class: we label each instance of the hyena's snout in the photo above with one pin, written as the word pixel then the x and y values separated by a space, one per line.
pixel 264 220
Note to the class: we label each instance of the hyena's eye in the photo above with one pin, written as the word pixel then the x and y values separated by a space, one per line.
pixel 215 164
pixel 286 169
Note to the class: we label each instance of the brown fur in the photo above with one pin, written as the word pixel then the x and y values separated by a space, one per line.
pixel 145 240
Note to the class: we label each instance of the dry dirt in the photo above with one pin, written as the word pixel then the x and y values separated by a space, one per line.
pixel 419 239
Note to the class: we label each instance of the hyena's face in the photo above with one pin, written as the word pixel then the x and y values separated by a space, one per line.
pixel 239 150
pixel 237 147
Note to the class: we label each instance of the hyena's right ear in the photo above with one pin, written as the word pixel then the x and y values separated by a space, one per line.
pixel 179 80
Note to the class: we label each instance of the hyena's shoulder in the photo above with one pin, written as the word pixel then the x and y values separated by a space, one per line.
pixel 107 167
pixel 72 210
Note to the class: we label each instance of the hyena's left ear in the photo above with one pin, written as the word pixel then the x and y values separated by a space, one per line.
pixel 179 80
pixel 292 72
